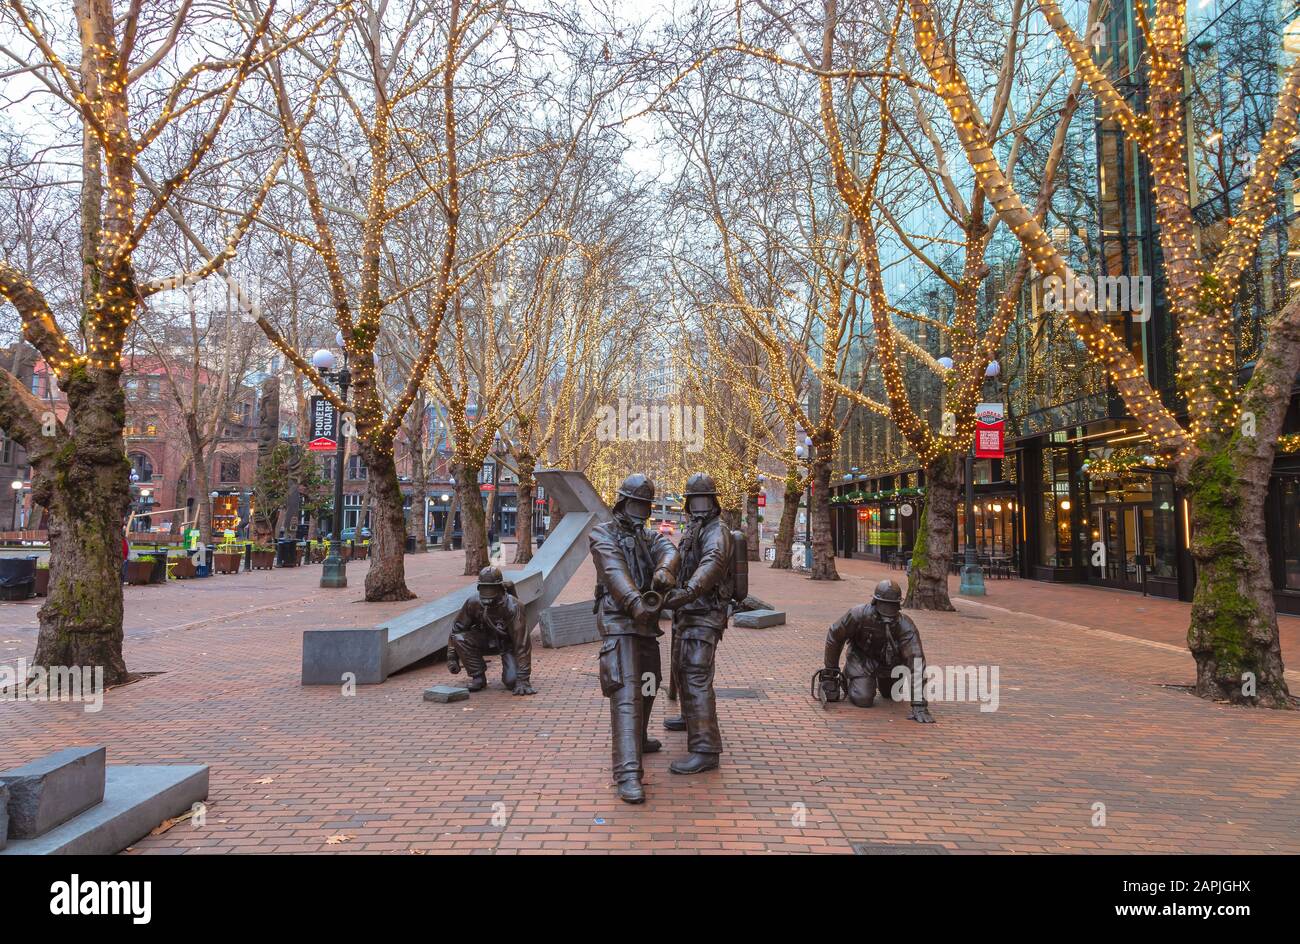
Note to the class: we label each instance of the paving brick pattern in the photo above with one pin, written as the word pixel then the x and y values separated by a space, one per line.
pixel 1087 715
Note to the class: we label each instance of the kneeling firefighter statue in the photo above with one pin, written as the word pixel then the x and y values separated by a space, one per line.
pixel 633 569
pixel 880 638
pixel 700 608
pixel 492 622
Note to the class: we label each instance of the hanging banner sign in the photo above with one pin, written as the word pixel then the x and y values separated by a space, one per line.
pixel 324 425
pixel 990 427
pixel 762 500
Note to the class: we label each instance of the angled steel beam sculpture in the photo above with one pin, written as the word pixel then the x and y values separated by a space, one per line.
pixel 368 656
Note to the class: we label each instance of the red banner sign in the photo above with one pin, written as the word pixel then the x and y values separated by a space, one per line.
pixel 990 429
pixel 322 445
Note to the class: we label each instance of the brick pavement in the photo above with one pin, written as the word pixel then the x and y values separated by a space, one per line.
pixel 1085 717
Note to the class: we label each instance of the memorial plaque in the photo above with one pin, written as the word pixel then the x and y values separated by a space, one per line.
pixel 570 625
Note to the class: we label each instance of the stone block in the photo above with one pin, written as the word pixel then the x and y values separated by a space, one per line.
pixel 759 619
pixel 53 789
pixel 328 654
pixel 446 693
pixel 572 624
pixel 136 799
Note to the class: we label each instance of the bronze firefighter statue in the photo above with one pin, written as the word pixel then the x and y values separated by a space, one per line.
pixel 634 568
pixel 700 608
pixel 492 622
pixel 880 639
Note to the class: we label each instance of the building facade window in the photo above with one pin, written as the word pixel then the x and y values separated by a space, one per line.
pixel 142 466
pixel 228 469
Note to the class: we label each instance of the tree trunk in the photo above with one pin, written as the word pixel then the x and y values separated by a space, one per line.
pixel 823 565
pixel 927 584
pixel 473 522
pixel 524 510
pixel 85 485
pixel 785 532
pixel 1233 633
pixel 202 476
pixel 731 518
pixel 752 511
pixel 293 497
pixel 386 579
pixel 420 505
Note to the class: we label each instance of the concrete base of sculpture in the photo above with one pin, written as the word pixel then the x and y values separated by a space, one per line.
pixel 759 619
pixel 573 624
pixel 420 632
pixel 136 799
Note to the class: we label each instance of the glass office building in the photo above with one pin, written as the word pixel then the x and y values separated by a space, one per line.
pixel 1068 484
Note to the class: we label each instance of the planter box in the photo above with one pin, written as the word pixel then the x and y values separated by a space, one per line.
pixel 361 553
pixel 42 581
pixel 227 563
pixel 139 572
pixel 263 560
pixel 184 568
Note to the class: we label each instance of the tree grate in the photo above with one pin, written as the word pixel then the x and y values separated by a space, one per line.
pixel 897 848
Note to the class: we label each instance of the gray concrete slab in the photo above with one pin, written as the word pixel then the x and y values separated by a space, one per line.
pixel 328 655
pixel 426 629
pixel 759 619
pixel 573 624
pixel 52 789
pixel 136 799
pixel 446 694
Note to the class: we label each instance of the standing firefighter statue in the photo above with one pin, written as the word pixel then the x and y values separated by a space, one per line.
pixel 493 622
pixel 700 610
pixel 633 569
pixel 880 639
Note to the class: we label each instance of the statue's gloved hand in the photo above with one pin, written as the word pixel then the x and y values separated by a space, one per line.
pixel 920 713
pixel 640 612
pixel 523 688
pixel 676 598
pixel 453 661
pixel 663 580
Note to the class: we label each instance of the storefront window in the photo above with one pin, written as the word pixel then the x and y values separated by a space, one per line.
pixel 1164 524
pixel 1055 547
pixel 1290 544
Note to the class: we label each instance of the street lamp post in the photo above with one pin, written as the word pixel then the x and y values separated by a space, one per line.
pixel 804 451
pixel 972 575
pixel 17 487
pixel 334 573
pixel 500 448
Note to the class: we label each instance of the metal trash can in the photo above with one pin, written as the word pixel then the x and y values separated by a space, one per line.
pixel 17 578
pixel 286 553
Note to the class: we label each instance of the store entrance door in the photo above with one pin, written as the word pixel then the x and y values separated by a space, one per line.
pixel 1123 541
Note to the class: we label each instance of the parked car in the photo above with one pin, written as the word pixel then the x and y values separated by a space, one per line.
pixel 667 528
pixel 350 534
